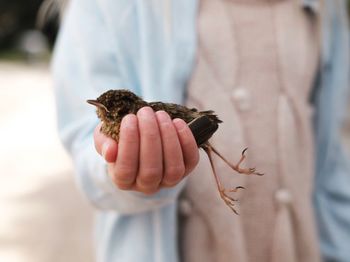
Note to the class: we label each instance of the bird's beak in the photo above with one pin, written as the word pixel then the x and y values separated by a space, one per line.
pixel 97 104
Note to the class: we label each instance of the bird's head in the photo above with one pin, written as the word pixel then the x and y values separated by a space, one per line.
pixel 113 105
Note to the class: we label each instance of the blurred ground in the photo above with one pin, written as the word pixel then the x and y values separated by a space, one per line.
pixel 43 216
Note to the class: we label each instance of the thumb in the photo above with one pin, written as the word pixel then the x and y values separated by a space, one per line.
pixel 105 146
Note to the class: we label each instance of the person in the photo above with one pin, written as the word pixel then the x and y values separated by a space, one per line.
pixel 276 72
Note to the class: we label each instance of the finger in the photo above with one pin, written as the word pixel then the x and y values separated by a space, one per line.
pixel 151 166
pixel 126 166
pixel 105 146
pixel 173 162
pixel 98 138
pixel 188 145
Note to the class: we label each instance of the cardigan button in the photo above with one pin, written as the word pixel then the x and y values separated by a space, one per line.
pixel 242 99
pixel 185 207
pixel 283 196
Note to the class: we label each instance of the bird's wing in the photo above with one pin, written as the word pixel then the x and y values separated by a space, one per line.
pixel 202 128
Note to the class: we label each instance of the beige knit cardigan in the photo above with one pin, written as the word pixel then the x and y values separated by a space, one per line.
pixel 255 67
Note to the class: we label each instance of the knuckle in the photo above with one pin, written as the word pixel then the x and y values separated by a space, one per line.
pixel 129 135
pixel 174 174
pixel 149 176
pixel 168 135
pixel 124 175
pixel 122 185
pixel 152 134
pixel 167 128
pixel 129 138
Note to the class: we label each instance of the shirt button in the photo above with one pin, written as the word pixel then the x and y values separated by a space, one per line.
pixel 185 207
pixel 242 99
pixel 283 196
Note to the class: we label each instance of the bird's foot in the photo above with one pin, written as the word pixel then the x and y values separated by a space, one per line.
pixel 245 171
pixel 237 168
pixel 230 201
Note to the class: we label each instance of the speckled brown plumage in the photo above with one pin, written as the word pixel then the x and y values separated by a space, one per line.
pixel 113 105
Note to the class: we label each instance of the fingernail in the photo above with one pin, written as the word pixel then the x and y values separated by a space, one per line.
pixel 129 121
pixel 163 116
pixel 179 124
pixel 145 112
pixel 105 147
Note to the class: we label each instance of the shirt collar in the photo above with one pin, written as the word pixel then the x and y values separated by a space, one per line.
pixel 312 5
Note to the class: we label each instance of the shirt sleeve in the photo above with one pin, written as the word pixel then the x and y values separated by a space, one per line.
pixel 332 194
pixel 85 64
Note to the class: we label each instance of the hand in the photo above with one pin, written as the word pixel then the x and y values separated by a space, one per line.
pixel 153 151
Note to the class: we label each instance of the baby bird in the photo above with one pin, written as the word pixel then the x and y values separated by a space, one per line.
pixel 113 105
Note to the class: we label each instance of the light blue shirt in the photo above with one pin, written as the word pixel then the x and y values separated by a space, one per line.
pixel 149 48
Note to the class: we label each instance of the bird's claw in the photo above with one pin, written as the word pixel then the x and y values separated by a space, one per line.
pixel 230 201
pixel 236 189
pixel 253 172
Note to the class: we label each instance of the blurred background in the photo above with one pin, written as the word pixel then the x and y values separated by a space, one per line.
pixel 43 215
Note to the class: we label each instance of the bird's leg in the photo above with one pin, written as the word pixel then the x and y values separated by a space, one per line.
pixel 237 168
pixel 229 201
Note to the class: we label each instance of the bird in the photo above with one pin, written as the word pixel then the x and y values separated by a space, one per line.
pixel 113 105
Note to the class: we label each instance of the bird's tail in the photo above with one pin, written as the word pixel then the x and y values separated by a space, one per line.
pixel 211 115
